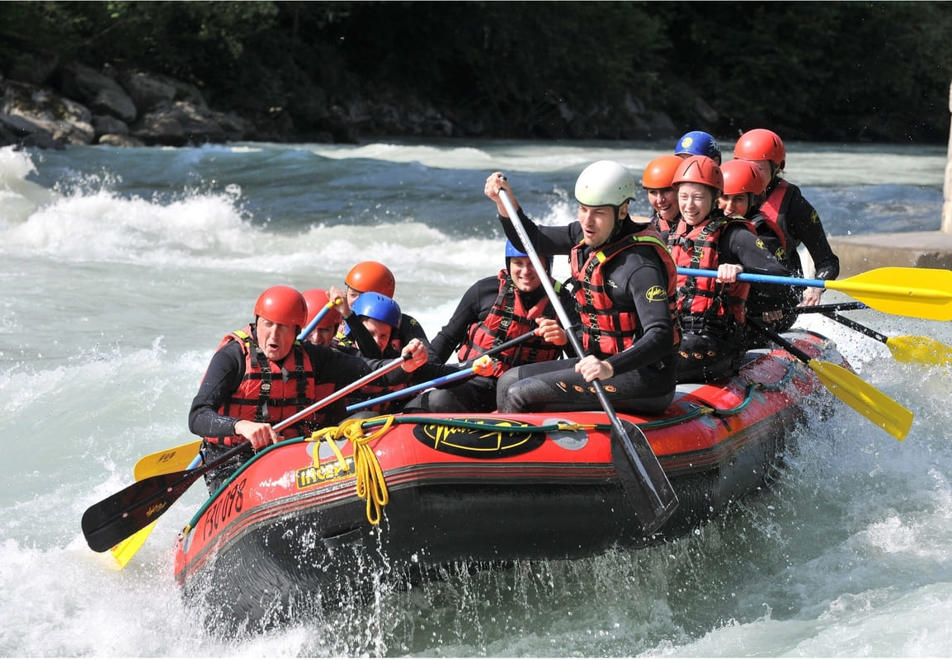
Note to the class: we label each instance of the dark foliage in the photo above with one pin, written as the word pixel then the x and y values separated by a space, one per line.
pixel 824 71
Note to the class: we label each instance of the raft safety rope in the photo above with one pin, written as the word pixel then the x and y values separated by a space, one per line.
pixel 371 485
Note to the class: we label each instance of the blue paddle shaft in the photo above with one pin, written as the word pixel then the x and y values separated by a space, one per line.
pixel 436 382
pixel 753 277
pixel 313 324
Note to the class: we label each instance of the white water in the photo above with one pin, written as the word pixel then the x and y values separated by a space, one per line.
pixel 123 268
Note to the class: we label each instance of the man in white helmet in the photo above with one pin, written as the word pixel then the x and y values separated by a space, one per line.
pixel 624 286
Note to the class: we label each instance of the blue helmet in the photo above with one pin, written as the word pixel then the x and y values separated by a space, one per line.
pixel 698 143
pixel 377 306
pixel 512 251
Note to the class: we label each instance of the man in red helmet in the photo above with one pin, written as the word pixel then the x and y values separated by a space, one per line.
pixel 371 277
pixel 261 375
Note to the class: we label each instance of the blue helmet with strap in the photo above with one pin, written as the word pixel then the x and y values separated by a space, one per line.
pixel 377 306
pixel 512 251
pixel 698 143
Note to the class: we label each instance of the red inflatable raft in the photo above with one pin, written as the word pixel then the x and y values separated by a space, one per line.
pixel 299 523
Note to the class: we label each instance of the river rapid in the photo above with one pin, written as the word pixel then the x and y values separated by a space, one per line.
pixel 123 268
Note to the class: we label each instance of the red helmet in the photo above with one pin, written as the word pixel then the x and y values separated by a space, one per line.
pixel 742 176
pixel 660 172
pixel 761 144
pixel 371 276
pixel 317 300
pixel 282 304
pixel 699 169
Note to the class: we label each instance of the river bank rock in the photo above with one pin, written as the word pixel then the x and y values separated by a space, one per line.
pixel 74 104
pixel 55 104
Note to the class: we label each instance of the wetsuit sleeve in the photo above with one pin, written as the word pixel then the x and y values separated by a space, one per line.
pixel 804 225
pixel 221 380
pixel 470 310
pixel 571 310
pixel 654 316
pixel 741 246
pixel 409 329
pixel 362 338
pixel 546 240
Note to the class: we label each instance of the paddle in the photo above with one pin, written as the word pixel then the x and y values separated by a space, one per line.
pixel 167 460
pixel 328 306
pixel 122 514
pixel 479 366
pixel 850 388
pixel 125 550
pixel 646 486
pixel 904 348
pixel 918 292
pixel 831 307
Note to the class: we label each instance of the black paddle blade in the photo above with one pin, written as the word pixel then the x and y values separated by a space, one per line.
pixel 122 514
pixel 646 485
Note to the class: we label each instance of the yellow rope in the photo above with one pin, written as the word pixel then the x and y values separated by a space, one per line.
pixel 371 485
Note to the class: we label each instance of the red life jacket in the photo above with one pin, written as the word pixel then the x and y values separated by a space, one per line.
pixel 703 297
pixel 773 210
pixel 507 319
pixel 273 391
pixel 607 330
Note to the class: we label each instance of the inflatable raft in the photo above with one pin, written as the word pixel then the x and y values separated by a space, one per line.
pixel 311 519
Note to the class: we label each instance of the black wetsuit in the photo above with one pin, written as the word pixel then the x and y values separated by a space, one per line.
pixel 800 224
pixel 478 393
pixel 644 377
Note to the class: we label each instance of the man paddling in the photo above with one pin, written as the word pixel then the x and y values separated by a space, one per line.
pixel 624 289
pixel 261 374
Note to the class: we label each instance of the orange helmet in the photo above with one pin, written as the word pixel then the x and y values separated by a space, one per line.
pixel 699 169
pixel 761 144
pixel 282 304
pixel 742 176
pixel 660 172
pixel 371 276
pixel 317 300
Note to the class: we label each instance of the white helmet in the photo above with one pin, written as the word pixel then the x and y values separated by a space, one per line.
pixel 605 183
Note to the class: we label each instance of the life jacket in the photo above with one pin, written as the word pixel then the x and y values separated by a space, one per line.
pixel 607 330
pixel 702 300
pixel 507 319
pixel 773 213
pixel 663 227
pixel 773 239
pixel 273 391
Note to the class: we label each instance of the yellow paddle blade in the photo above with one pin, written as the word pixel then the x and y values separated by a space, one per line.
pixel 924 293
pixel 167 460
pixel 923 350
pixel 865 399
pixel 125 549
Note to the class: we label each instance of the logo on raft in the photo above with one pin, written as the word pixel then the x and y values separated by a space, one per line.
pixel 494 442
pixel 313 475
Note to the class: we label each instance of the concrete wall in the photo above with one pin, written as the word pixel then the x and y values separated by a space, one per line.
pixel 947 186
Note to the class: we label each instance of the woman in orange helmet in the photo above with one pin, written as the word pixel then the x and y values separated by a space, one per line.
pixel 656 180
